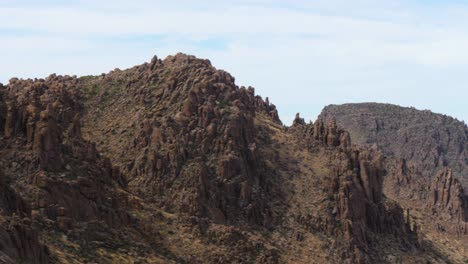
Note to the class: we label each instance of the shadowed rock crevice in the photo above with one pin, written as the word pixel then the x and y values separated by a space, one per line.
pixel 18 240
pixel 448 197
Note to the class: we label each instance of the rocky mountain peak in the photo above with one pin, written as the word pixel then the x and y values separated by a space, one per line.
pixel 172 162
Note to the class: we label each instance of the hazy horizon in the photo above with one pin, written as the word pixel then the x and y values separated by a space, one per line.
pixel 301 55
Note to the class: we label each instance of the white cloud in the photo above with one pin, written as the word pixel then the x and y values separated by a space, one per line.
pixel 319 52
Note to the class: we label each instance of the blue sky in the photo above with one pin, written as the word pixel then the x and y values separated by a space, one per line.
pixel 302 54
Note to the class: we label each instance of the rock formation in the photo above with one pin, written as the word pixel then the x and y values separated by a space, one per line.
pixel 356 183
pixel 448 197
pixel 425 160
pixel 319 132
pixel 209 141
pixel 430 141
pixel 172 162
pixel 18 239
pixel 63 182
pixel 361 204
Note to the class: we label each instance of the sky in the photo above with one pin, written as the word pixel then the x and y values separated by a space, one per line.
pixel 302 54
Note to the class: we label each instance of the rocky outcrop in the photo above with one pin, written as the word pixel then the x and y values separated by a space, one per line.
pixel 18 239
pixel 419 147
pixel 448 197
pixel 427 140
pixel 298 120
pixel 40 112
pixel 43 117
pixel 320 133
pixel 64 182
pixel 357 183
pixel 359 207
pixel 211 143
pixel 263 106
pixel 331 135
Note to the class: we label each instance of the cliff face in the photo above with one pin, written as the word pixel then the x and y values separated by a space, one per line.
pixel 355 182
pixel 425 159
pixel 427 140
pixel 448 197
pixel 171 162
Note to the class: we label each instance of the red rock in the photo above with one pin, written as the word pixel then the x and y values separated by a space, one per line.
pixel 448 197
pixel 61 211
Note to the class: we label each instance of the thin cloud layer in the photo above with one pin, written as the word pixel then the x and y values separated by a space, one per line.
pixel 302 55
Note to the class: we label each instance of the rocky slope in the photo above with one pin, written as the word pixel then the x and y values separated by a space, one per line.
pixel 429 141
pixel 426 157
pixel 171 162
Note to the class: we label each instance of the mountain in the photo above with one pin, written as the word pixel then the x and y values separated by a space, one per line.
pixel 426 156
pixel 432 141
pixel 171 162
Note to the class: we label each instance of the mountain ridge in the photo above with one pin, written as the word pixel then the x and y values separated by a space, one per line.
pixel 172 162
